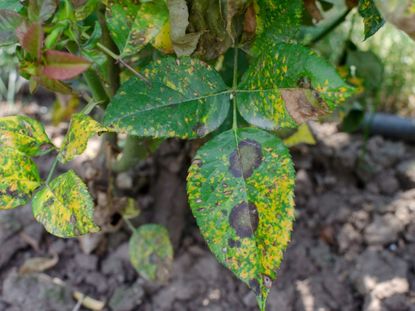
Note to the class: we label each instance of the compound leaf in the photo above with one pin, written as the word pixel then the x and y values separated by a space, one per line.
pixel 151 252
pixel 64 207
pixel 288 85
pixel 372 18
pixel 184 98
pixel 81 129
pixel 132 25
pixel 19 177
pixel 63 66
pixel 24 134
pixel 240 188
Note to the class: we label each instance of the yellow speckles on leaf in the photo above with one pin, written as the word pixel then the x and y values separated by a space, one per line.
pixel 19 177
pixel 81 129
pixel 246 218
pixel 64 207
pixel 24 134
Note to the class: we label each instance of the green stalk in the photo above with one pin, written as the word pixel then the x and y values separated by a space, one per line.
pixel 134 151
pixel 234 89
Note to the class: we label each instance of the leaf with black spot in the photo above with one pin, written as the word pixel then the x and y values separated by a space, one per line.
pixel 24 134
pixel 19 177
pixel 287 85
pixel 241 188
pixel 64 207
pixel 184 98
pixel 151 252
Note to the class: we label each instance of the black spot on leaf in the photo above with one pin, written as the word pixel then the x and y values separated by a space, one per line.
pixel 244 219
pixel 234 243
pixel 247 158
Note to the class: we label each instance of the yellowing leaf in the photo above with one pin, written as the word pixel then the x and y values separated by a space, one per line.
pixel 151 252
pixel 163 41
pixel 64 207
pixel 24 134
pixel 241 188
pixel 81 129
pixel 302 135
pixel 19 177
pixel 287 85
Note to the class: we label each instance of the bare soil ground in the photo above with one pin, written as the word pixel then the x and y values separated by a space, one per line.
pixel 353 245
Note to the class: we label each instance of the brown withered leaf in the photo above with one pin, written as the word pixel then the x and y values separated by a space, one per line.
pixel 313 10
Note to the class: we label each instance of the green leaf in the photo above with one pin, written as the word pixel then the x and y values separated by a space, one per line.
pixel 81 129
pixel 288 85
pixel 63 66
pixel 11 5
pixel 83 11
pixel 24 134
pixel 19 177
pixel 185 98
pixel 134 25
pixel 371 16
pixel 41 10
pixel 241 189
pixel 9 22
pixel 65 207
pixel 151 252
pixel 184 43
pixel 277 21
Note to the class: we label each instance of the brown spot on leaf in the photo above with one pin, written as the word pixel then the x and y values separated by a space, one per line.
pixel 267 281
pixel 245 159
pixel 313 10
pixel 244 219
pixel 303 104
pixel 234 243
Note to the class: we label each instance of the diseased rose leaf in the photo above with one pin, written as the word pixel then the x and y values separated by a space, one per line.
pixel 81 129
pixel 19 177
pixel 372 18
pixel 184 98
pixel 64 207
pixel 151 252
pixel 288 84
pixel 241 188
pixel 277 21
pixel 132 24
pixel 86 9
pixel 63 66
pixel 24 134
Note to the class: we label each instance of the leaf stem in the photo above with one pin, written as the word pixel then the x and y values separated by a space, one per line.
pixel 90 106
pixel 129 224
pixel 234 89
pixel 118 58
pixel 52 170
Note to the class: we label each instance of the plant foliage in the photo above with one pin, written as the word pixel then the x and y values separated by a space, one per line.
pixel 158 69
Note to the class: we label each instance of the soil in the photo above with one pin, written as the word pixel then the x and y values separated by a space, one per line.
pixel 353 245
